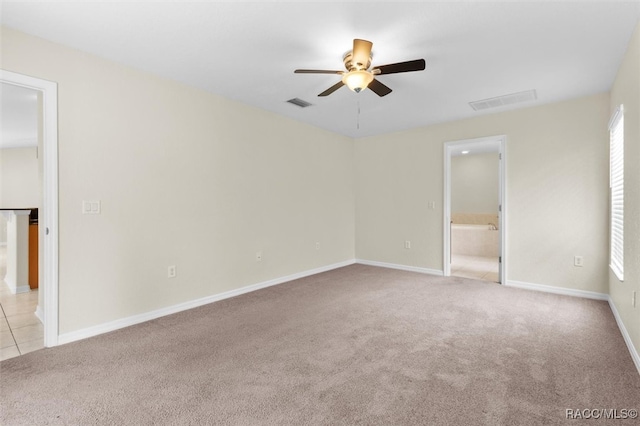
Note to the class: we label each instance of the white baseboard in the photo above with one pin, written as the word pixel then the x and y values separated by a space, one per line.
pixel 588 295
pixel 400 267
pixel 23 289
pixel 39 313
pixel 16 289
pixel 625 334
pixel 137 319
pixel 558 290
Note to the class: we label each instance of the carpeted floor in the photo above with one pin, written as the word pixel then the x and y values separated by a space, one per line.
pixel 357 345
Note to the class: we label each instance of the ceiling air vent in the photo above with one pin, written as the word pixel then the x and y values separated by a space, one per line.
pixel 514 98
pixel 299 102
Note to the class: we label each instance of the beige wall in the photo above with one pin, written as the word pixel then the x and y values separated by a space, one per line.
pixel 3 230
pixel 191 179
pixel 626 91
pixel 556 207
pixel 19 178
pixel 475 183
pixel 186 178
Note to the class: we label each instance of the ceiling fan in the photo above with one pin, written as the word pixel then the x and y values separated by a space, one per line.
pixel 358 76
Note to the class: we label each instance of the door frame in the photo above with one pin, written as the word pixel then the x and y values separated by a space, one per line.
pixel 500 142
pixel 49 215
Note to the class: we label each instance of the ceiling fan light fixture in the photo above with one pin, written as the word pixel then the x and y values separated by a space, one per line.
pixel 359 76
pixel 357 80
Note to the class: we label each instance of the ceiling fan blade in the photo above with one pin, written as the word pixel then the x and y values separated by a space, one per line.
pixel 416 65
pixel 379 88
pixel 317 72
pixel 361 53
pixel 332 89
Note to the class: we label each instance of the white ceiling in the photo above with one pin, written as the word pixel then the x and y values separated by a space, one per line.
pixel 18 117
pixel 248 51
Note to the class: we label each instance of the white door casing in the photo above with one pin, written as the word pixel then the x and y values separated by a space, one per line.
pixel 48 218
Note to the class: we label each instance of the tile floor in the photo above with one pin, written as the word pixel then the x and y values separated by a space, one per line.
pixel 481 268
pixel 20 330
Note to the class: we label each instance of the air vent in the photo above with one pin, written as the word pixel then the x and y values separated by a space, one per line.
pixel 514 98
pixel 299 102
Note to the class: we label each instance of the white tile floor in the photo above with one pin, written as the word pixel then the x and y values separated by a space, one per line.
pixel 477 267
pixel 20 330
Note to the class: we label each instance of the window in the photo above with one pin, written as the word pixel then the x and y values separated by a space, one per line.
pixel 616 184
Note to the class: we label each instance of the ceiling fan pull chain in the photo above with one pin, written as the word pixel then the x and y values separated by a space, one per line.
pixel 358 117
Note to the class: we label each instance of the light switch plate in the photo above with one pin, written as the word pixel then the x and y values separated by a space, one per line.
pixel 91 207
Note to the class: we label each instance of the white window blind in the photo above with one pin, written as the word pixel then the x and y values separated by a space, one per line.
pixel 616 184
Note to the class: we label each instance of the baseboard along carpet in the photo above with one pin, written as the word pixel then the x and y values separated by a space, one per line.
pixel 356 345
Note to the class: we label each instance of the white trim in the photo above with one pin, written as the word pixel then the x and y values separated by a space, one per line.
pixel 39 313
pixel 616 193
pixel 558 290
pixel 23 289
pixel 625 334
pixel 400 267
pixel 617 115
pixel 49 215
pixel 137 319
pixel 501 141
pixel 148 316
pixel 17 289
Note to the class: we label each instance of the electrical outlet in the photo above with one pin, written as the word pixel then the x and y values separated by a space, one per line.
pixel 432 205
pixel 407 244
pixel 172 272
pixel 258 256
pixel 578 261
pixel 317 246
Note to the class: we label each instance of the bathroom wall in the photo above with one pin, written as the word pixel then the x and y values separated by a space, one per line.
pixel 475 184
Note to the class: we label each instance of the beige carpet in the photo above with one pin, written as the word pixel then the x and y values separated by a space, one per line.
pixel 358 345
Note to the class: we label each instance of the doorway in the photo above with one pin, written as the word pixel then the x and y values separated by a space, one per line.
pixel 474 225
pixel 48 214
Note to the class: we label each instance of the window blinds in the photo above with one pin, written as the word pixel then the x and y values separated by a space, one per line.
pixel 616 184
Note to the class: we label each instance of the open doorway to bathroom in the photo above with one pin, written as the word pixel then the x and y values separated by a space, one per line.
pixel 474 209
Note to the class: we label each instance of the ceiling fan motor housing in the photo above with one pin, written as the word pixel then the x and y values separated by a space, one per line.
pixel 351 66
